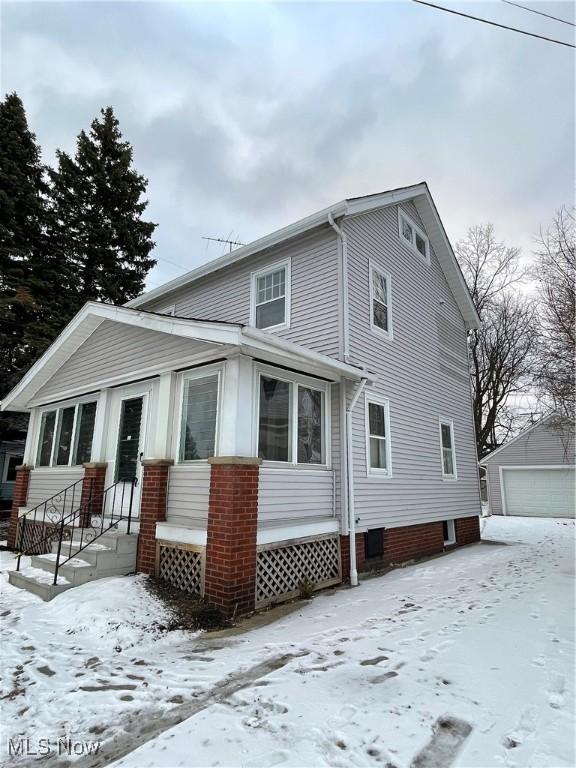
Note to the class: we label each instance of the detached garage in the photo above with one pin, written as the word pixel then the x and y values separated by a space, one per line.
pixel 534 474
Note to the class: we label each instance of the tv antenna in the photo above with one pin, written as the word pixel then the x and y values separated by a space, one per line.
pixel 230 243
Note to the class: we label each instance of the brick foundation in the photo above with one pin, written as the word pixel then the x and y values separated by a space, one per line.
pixel 18 500
pixel 410 542
pixel 152 510
pixel 230 572
pixel 92 491
pixel 467 530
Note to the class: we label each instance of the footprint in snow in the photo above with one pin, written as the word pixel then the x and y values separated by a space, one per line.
pixel 556 691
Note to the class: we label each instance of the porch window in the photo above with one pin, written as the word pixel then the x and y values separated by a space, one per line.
pixel 378 437
pixel 448 452
pixel 199 412
pixel 291 424
pixel 270 297
pixel 66 435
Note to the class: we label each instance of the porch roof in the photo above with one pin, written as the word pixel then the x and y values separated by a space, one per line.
pixel 226 337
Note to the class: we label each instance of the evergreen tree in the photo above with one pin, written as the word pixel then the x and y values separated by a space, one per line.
pixel 97 210
pixel 30 280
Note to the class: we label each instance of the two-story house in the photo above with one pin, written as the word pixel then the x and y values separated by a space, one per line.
pixel 258 414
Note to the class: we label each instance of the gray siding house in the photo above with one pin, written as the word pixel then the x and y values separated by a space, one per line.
pixel 267 409
pixel 534 474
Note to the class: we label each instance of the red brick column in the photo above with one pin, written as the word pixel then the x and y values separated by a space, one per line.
pixel 345 555
pixel 92 491
pixel 467 530
pixel 230 572
pixel 18 500
pixel 153 495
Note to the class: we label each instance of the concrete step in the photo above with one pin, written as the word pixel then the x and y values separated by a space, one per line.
pixel 76 571
pixel 39 582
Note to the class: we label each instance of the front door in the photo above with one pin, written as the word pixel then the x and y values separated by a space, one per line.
pixel 126 450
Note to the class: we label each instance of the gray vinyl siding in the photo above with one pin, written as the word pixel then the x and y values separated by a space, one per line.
pixel 188 494
pixel 225 295
pixel 423 374
pixel 544 445
pixel 117 350
pixel 290 495
pixel 45 483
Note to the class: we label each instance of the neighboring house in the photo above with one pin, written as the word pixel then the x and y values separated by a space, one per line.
pixel 307 387
pixel 534 474
pixel 11 453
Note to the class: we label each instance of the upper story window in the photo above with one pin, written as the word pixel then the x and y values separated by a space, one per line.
pixel 448 450
pixel 380 301
pixel 66 435
pixel 291 422
pixel 378 451
pixel 270 297
pixel 414 237
pixel 199 417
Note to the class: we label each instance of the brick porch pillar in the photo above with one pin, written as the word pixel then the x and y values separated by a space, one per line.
pixel 92 491
pixel 153 495
pixel 18 500
pixel 230 571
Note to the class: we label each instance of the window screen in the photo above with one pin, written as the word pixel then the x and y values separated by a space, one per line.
pixel 199 412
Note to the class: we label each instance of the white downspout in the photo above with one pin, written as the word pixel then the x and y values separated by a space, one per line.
pixel 350 472
pixel 344 285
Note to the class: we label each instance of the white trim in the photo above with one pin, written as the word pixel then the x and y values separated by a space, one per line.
pixel 378 472
pixel 514 439
pixel 192 375
pixel 181 535
pixel 286 265
pixel 417 230
pixel 451 533
pixel 450 423
pixel 295 380
pixel 271 535
pixel 372 267
pixel 502 467
pixel 350 207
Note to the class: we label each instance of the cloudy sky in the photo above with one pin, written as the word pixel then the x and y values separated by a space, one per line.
pixel 245 117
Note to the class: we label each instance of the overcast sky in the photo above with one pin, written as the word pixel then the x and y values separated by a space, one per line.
pixel 245 117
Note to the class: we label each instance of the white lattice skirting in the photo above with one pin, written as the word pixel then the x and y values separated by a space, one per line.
pixel 181 565
pixel 281 568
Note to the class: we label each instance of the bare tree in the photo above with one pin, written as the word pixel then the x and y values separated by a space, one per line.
pixel 555 272
pixel 502 350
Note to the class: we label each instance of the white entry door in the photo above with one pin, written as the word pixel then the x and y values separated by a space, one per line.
pixel 126 444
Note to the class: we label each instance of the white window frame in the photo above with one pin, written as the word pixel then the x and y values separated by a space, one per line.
pixel 7 457
pixel 389 334
pixel 193 374
pixel 378 472
pixel 303 381
pixel 448 423
pixel 411 244
pixel 286 265
pixel 58 407
pixel 451 533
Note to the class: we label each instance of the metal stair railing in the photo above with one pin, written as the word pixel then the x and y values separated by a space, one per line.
pixel 95 516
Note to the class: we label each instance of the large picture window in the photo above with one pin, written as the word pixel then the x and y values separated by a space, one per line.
pixel 199 414
pixel 270 297
pixel 291 423
pixel 66 436
pixel 378 449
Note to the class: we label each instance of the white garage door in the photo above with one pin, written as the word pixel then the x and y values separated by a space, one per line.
pixel 539 491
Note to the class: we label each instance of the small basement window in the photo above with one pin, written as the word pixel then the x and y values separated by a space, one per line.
pixel 449 532
pixel 374 543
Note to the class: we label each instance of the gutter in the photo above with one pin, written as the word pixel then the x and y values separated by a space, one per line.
pixel 343 284
pixel 350 473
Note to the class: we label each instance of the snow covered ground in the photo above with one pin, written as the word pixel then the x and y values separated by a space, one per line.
pixel 466 660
